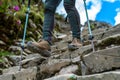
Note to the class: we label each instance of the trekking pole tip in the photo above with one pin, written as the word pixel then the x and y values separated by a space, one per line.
pixel 91 37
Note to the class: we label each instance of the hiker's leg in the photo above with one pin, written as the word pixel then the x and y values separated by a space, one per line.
pixel 74 20
pixel 43 46
pixel 50 7
pixel 73 16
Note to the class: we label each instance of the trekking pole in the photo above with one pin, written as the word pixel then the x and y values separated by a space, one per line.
pixel 23 1
pixel 23 40
pixel 82 40
pixel 89 28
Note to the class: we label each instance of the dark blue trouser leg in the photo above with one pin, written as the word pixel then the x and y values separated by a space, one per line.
pixel 50 7
pixel 73 16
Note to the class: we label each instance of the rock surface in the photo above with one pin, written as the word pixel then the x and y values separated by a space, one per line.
pixel 14 74
pixel 103 60
pixel 54 65
pixel 115 75
pixel 80 64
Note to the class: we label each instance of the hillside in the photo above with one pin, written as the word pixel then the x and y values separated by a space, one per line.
pixel 80 64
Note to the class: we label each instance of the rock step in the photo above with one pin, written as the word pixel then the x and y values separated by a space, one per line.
pixel 113 75
pixel 67 54
pixel 104 34
pixel 14 74
pixel 103 60
pixel 108 33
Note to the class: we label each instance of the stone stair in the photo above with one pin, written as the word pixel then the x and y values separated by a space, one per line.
pixel 81 64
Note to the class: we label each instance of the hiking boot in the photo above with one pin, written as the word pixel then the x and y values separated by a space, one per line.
pixel 41 47
pixel 75 44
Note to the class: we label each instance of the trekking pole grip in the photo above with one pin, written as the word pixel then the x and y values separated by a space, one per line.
pixel 29 3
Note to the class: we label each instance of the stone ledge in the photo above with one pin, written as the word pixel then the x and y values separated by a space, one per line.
pixel 103 60
pixel 107 33
pixel 113 75
pixel 24 74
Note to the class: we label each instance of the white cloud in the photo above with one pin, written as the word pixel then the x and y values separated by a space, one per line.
pixel 117 17
pixel 92 12
pixel 112 1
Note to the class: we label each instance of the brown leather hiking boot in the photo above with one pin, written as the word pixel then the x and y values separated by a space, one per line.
pixel 41 47
pixel 75 44
pixel 42 44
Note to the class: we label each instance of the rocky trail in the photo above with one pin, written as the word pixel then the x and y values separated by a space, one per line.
pixel 80 64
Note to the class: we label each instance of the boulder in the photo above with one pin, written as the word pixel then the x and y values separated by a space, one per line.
pixel 113 75
pixel 73 54
pixel 6 77
pixel 13 73
pixel 15 59
pixel 32 60
pixel 15 49
pixel 53 65
pixel 102 60
pixel 69 69
pixel 107 33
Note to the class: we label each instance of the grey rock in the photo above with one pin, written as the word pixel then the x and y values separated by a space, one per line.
pixel 69 69
pixel 76 59
pixel 54 65
pixel 114 75
pixel 2 43
pixel 15 49
pixel 32 24
pixel 60 45
pixel 63 77
pixel 96 31
pixel 16 59
pixel 101 33
pixel 6 77
pixel 11 70
pixel 109 42
pixel 64 26
pixel 108 33
pixel 103 60
pixel 73 54
pixel 13 73
pixel 104 76
pixel 60 36
pixel 83 68
pixel 28 74
pixel 32 60
pixel 118 25
pixel 6 62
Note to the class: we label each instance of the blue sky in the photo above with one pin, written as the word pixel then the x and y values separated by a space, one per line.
pixel 101 10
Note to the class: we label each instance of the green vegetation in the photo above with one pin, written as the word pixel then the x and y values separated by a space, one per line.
pixel 3 54
pixel 12 21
